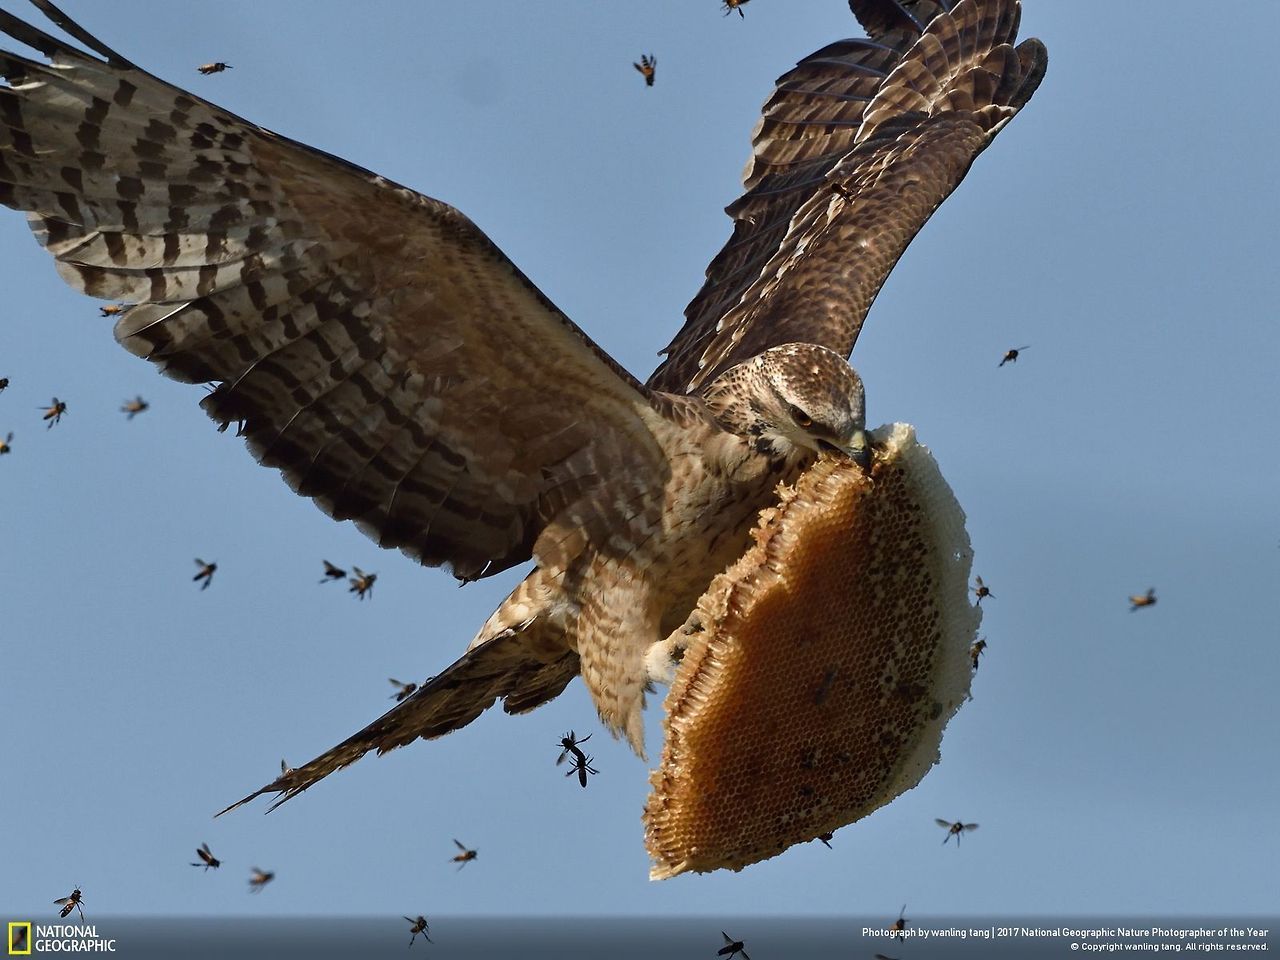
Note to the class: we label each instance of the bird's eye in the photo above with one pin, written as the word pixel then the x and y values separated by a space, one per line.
pixel 800 417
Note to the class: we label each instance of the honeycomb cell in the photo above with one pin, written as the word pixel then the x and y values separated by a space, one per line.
pixel 832 656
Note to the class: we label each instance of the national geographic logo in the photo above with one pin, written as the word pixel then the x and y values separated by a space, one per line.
pixel 55 938
pixel 19 939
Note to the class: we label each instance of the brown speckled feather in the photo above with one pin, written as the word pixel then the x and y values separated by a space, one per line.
pixel 856 148
pixel 357 331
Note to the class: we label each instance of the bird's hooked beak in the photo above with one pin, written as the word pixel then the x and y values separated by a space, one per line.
pixel 857 449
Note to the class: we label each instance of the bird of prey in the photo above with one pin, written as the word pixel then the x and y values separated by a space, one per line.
pixel 134 407
pixel 1139 600
pixel 207 859
pixel 955 829
pixel 1011 355
pixel 647 66
pixel 53 413
pixel 209 68
pixel 418 926
pixel 205 573
pixel 379 350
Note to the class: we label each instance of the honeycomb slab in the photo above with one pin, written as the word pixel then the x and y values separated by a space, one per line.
pixel 823 666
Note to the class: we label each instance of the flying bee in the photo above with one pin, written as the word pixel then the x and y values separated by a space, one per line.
pixel 112 309
pixel 647 66
pixel 260 879
pixel 416 927
pixel 6 444
pixel 976 650
pixel 826 839
pixel 1011 355
pixel 209 68
pixel 332 573
pixel 581 766
pixel 956 829
pixel 4 382
pixel 731 946
pixel 465 857
pixel 732 5
pixel 71 903
pixel 1147 599
pixel 571 745
pixel 900 925
pixel 981 590
pixel 361 583
pixel 134 407
pixel 207 858
pixel 206 572
pixel 53 413
pixel 405 691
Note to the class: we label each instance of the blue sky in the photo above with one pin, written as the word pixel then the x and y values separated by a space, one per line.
pixel 1123 226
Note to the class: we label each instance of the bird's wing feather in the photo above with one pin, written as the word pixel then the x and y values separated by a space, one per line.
pixel 856 148
pixel 373 344
pixel 508 666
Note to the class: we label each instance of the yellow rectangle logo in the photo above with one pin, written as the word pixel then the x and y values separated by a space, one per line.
pixel 19 939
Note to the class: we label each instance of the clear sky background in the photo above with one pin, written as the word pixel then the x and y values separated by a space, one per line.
pixel 1123 226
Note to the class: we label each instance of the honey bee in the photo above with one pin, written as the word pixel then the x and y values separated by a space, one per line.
pixel 207 858
pixel 570 744
pixel 731 946
pixel 581 766
pixel 206 572
pixel 134 407
pixel 362 583
pixel 1147 599
pixel 6 445
pixel 732 5
pixel 53 413
pixel 71 903
pixel 900 925
pixel 955 829
pixel 4 382
pixel 418 926
pixel 465 857
pixel 332 573
pixel 647 67
pixel 981 590
pixel 260 879
pixel 826 839
pixel 209 68
pixel 976 651
pixel 1011 355
pixel 405 691
pixel 112 309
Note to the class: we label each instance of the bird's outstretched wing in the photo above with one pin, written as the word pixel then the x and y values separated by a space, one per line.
pixel 372 343
pixel 856 148
pixel 501 667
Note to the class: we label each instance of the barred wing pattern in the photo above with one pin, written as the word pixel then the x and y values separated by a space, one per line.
pixel 857 147
pixel 371 342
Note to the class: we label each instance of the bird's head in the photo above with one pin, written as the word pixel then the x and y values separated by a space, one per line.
pixel 794 399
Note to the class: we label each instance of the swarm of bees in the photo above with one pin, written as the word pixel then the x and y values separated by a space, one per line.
pixel 260 879
pixel 418 926
pixel 647 66
pixel 207 859
pixel 732 948
pixel 205 573
pixel 134 407
pixel 981 590
pixel 405 691
pixel 361 583
pixel 1147 599
pixel 209 68
pixel 463 858
pixel 1011 355
pixel 954 829
pixel 53 413
pixel 70 903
